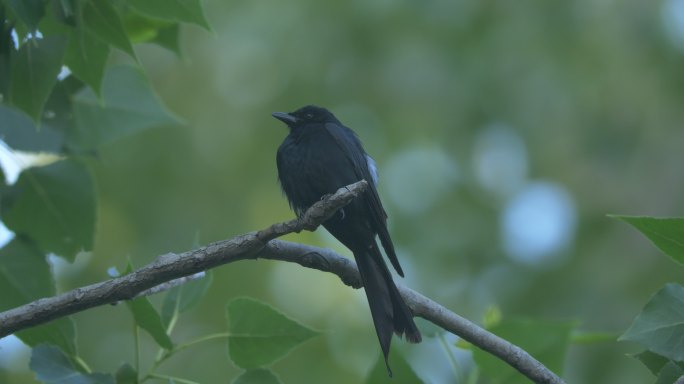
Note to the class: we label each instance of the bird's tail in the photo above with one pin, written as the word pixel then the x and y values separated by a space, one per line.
pixel 388 309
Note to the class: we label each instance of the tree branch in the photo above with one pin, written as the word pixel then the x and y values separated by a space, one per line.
pixel 261 244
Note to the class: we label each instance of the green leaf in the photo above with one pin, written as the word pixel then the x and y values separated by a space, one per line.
pixel 126 374
pixel 60 332
pixel 660 325
pixel 51 365
pixel 34 72
pixel 168 37
pixel 653 361
pixel 28 11
pixel 546 341
pixel 24 277
pixel 401 371
pixel 147 318
pixel 64 11
pixel 128 106
pixel 257 376
pixel 86 56
pixel 667 234
pixel 54 206
pixel 182 298
pixel 21 133
pixel 670 373
pixel 142 29
pixel 189 11
pixel 260 335
pixel 104 21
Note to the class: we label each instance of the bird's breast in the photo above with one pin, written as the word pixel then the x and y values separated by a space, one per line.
pixel 310 168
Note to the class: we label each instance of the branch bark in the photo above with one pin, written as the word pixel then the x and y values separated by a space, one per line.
pixel 155 276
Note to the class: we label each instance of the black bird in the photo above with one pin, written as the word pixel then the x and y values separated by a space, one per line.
pixel 319 156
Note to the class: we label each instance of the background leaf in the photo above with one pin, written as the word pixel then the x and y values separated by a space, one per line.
pixel 260 335
pixel 189 11
pixel 548 342
pixel 168 37
pixel 259 375
pixel 147 318
pixel 52 366
pixel 401 371
pixel 86 56
pixel 29 11
pixel 182 298
pixel 104 21
pixel 20 132
pixel 126 374
pixel 34 72
pixel 53 205
pixel 128 106
pixel 24 277
pixel 660 325
pixel 670 373
pixel 667 234
pixel 653 361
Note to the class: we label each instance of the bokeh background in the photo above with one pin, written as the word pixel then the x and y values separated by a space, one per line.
pixel 504 133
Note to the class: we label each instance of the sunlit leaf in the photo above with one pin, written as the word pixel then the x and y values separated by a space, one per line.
pixel 548 342
pixel 52 366
pixel 189 11
pixel 53 205
pixel 104 21
pixel 660 325
pixel 34 73
pixel 260 335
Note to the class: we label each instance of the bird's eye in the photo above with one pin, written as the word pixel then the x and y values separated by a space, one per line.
pixel 309 115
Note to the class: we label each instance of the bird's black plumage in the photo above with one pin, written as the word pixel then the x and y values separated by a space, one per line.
pixel 319 156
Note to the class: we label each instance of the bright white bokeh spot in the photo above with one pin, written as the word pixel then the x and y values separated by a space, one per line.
pixel 10 163
pixel 673 18
pixel 418 178
pixel 63 73
pixel 14 354
pixel 500 160
pixel 5 235
pixel 64 270
pixel 538 222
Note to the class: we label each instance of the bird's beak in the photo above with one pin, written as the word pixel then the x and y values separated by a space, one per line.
pixel 284 117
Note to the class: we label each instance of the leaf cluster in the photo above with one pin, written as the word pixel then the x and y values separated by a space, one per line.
pixel 660 326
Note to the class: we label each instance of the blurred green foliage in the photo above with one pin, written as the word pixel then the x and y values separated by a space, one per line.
pixel 592 90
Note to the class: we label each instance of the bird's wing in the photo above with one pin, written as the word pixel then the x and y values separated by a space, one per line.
pixel 364 167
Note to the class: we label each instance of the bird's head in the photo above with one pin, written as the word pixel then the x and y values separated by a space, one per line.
pixel 305 115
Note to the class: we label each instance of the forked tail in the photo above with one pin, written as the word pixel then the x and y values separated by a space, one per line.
pixel 388 309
